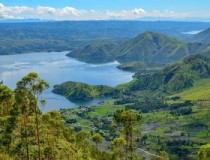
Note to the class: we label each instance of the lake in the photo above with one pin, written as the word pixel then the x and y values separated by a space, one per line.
pixel 56 68
pixel 192 32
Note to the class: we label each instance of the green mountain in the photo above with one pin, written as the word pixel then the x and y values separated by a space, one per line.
pixel 81 91
pixel 176 77
pixel 154 47
pixel 146 47
pixel 94 53
pixel 202 37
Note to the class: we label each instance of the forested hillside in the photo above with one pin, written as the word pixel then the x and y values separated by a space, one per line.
pixel 81 91
pixel 26 133
pixel 176 77
pixel 94 53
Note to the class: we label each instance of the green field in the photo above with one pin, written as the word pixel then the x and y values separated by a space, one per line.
pixel 200 91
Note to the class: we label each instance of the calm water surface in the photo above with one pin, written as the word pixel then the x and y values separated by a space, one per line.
pixel 192 32
pixel 56 68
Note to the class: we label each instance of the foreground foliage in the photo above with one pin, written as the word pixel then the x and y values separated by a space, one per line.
pixel 26 133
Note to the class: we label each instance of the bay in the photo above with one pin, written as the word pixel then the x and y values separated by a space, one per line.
pixel 56 68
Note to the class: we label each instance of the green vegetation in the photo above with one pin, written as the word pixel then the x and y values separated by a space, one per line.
pixel 140 66
pixel 170 126
pixel 174 107
pixel 18 38
pixel 128 119
pixel 176 77
pixel 94 53
pixel 199 91
pixel 204 152
pixel 147 47
pixel 82 91
pixel 173 103
pixel 155 47
pixel 26 133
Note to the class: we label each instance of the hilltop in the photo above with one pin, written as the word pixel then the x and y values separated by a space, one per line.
pixel 94 53
pixel 146 47
pixel 82 91
pixel 155 47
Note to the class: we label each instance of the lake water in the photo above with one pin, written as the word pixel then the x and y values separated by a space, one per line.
pixel 192 32
pixel 56 68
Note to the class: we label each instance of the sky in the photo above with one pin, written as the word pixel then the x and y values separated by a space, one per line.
pixel 105 9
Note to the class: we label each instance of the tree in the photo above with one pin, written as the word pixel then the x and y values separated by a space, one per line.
pixel 7 122
pixel 128 119
pixel 204 152
pixel 97 138
pixel 6 100
pixel 83 142
pixel 31 87
pixel 118 147
pixel 164 155
pixel 26 133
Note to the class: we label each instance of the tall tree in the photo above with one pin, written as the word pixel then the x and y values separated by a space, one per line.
pixel 128 119
pixel 32 86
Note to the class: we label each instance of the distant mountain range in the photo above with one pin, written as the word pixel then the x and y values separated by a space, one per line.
pixel 22 20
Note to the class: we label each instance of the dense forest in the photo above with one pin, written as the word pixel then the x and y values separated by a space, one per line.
pixel 26 133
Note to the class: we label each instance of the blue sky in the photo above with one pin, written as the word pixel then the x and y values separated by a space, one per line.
pixel 191 5
pixel 104 9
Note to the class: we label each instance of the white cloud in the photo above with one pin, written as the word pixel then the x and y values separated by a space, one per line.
pixel 13 11
pixel 70 13
pixel 138 11
pixel 127 14
pixel 44 10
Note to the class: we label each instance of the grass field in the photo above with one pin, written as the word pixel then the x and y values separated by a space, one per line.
pixel 105 109
pixel 200 91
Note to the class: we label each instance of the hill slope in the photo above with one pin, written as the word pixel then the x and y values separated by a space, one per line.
pixel 199 91
pixel 155 47
pixel 202 37
pixel 176 77
pixel 94 53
